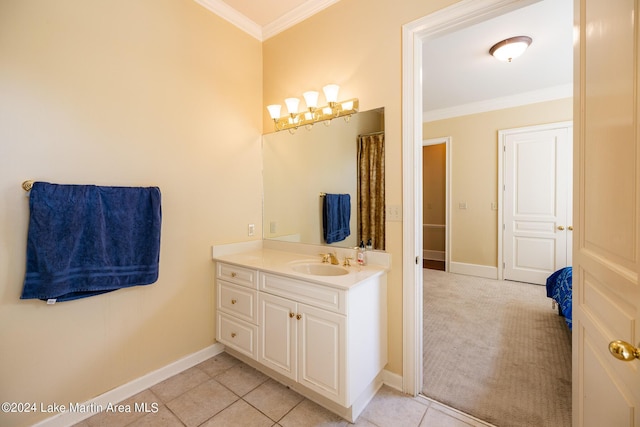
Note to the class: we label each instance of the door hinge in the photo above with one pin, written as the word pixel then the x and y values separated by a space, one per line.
pixel 417 260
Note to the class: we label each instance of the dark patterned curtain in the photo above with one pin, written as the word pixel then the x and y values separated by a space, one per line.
pixel 371 190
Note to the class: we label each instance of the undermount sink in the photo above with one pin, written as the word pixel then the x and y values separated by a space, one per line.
pixel 318 269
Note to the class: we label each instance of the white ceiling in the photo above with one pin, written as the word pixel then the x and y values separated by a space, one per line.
pixel 459 75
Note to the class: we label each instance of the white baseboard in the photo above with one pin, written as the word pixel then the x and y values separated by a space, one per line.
pixel 392 380
pixel 134 387
pixel 485 271
pixel 433 255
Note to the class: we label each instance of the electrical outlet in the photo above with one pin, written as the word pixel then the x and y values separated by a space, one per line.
pixel 273 226
pixel 462 205
pixel 252 229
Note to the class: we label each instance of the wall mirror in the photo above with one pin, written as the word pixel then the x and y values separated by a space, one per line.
pixel 342 158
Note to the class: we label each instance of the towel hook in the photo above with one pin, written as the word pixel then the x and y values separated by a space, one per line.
pixel 27 185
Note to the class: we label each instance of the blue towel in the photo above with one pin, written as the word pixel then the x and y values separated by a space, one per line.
pixel 336 214
pixel 85 240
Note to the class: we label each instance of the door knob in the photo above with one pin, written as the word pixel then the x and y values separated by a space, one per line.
pixel 570 228
pixel 561 227
pixel 622 350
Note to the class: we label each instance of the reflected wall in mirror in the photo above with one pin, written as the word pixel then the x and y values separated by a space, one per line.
pixel 299 167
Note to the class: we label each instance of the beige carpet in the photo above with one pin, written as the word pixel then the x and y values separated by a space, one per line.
pixel 496 350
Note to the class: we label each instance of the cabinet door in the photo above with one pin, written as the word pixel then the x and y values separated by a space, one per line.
pixel 322 353
pixel 277 341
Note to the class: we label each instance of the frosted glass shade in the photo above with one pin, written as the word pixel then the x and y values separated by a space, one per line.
pixel 311 99
pixel 331 92
pixel 274 110
pixel 292 105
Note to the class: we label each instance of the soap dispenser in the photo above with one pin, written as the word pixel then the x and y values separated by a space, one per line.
pixel 361 254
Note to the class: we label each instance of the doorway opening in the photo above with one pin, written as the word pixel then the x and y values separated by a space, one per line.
pixel 436 199
pixel 459 15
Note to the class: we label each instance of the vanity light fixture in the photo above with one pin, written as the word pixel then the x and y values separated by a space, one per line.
pixel 511 48
pixel 313 114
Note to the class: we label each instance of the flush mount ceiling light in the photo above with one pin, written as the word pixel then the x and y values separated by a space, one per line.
pixel 511 48
pixel 313 114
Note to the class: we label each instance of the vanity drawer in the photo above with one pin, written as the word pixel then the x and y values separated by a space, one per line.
pixel 308 293
pixel 239 275
pixel 238 335
pixel 238 301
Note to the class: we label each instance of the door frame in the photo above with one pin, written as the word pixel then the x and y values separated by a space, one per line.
pixel 447 141
pixel 414 34
pixel 502 139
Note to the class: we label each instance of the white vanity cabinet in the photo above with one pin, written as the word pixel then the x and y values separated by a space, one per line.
pixel 328 342
pixel 237 303
pixel 300 341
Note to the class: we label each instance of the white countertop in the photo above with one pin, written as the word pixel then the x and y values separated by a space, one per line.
pixel 281 262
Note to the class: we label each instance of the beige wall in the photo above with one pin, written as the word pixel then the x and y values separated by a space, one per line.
pixel 123 92
pixel 474 152
pixel 358 47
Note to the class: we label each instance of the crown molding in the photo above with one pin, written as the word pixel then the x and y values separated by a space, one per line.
pixel 525 98
pixel 295 16
pixel 287 20
pixel 228 13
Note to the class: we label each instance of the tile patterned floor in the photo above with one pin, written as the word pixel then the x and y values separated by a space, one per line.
pixel 222 391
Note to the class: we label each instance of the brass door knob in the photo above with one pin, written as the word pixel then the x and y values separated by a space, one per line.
pixel 622 350
pixel 233 334
pixel 299 316
pixel 561 227
pixel 291 315
pixel 233 301
pixel 570 228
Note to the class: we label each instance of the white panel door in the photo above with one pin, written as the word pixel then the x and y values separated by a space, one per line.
pixel 606 294
pixel 277 340
pixel 537 202
pixel 322 357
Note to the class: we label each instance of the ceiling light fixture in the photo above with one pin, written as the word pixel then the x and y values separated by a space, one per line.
pixel 313 114
pixel 511 48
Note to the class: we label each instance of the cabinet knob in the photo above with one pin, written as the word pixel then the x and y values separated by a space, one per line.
pixel 291 315
pixel 299 316
pixel 560 227
pixel 233 274
pixel 233 301
pixel 570 228
pixel 233 334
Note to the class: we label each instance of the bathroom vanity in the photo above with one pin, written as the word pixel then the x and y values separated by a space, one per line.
pixel 316 327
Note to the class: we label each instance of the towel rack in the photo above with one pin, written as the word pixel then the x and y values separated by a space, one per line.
pixel 323 194
pixel 27 185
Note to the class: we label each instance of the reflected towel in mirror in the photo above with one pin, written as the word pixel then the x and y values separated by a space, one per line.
pixel 336 214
